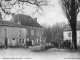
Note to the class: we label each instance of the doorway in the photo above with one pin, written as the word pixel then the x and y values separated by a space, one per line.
pixel 6 42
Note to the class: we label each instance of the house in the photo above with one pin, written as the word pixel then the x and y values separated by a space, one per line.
pixel 67 33
pixel 12 34
pixel 33 28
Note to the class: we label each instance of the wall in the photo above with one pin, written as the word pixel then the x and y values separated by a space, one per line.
pixel 65 35
pixel 12 33
pixel 34 37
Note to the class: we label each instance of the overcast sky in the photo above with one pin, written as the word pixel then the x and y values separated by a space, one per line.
pixel 53 15
pixel 50 16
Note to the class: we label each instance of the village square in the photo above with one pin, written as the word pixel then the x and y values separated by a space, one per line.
pixel 39 30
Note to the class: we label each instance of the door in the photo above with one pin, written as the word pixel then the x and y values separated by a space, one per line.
pixel 78 42
pixel 5 38
pixel 14 42
pixel 32 42
pixel 6 42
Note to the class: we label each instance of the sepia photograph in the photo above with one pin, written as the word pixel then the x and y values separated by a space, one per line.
pixel 39 29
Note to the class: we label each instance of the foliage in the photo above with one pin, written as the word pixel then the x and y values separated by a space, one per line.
pixel 71 9
pixel 55 32
pixel 7 5
pixel 66 6
pixel 47 33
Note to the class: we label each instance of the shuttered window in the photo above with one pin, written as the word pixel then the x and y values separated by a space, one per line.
pixel 32 32
pixel 5 32
pixel 38 32
pixel 19 33
pixel 69 34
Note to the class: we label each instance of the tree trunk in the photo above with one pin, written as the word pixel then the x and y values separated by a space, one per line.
pixel 73 25
pixel 74 36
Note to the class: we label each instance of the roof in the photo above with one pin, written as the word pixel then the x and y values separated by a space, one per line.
pixel 68 28
pixel 26 20
pixel 8 23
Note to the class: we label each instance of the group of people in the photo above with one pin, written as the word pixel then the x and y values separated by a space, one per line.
pixel 62 44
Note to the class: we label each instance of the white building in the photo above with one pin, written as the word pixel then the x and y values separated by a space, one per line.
pixel 67 33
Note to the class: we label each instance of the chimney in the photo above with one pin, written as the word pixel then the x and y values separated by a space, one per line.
pixel 35 19
pixel 15 18
pixel 13 14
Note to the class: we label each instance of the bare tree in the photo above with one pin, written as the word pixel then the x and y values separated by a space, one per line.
pixel 54 32
pixel 7 5
pixel 71 9
pixel 47 32
pixel 57 31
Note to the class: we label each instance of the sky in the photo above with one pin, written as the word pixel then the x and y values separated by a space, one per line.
pixel 52 14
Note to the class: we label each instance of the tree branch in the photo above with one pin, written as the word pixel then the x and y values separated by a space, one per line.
pixel 7 5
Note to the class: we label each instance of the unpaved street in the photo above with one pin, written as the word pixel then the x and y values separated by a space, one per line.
pixel 26 54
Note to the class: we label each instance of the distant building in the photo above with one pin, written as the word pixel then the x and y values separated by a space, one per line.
pixel 34 30
pixel 67 33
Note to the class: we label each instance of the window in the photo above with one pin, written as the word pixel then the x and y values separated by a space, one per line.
pixel 37 32
pixel 23 41
pixel 19 40
pixel 32 32
pixel 5 32
pixel 40 33
pixel 69 34
pixel 40 40
pixel 32 42
pixel 19 33
pixel 26 32
pixel 27 39
pixel 37 40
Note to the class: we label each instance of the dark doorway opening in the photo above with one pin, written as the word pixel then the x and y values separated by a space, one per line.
pixel 6 42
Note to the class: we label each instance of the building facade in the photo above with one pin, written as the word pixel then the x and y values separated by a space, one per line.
pixel 67 33
pixel 33 28
pixel 12 34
